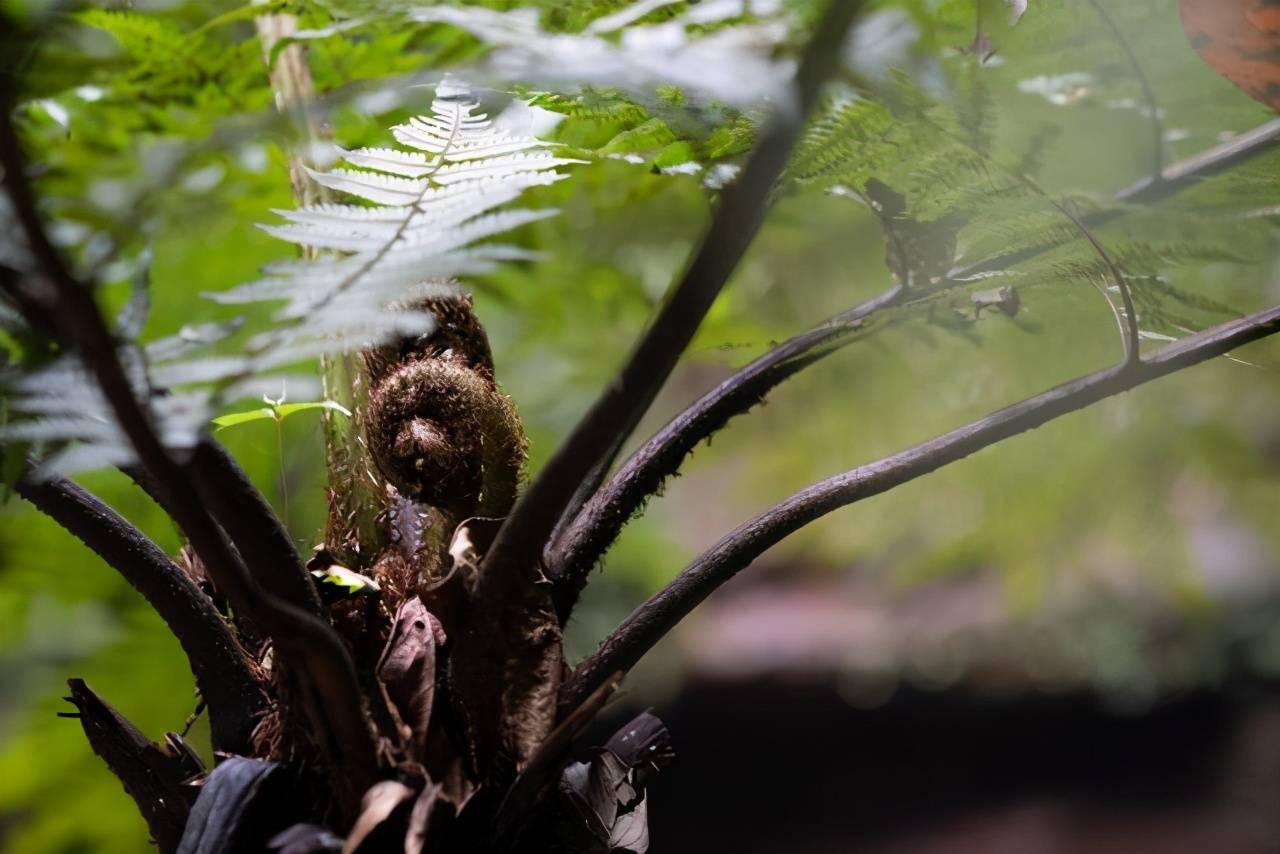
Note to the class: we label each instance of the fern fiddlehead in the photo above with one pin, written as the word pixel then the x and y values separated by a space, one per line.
pixel 438 427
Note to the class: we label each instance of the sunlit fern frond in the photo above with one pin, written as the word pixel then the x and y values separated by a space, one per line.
pixel 431 203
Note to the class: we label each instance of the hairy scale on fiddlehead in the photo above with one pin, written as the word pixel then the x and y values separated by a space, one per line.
pixel 438 428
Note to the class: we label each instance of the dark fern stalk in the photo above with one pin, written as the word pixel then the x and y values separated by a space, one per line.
pixel 736 551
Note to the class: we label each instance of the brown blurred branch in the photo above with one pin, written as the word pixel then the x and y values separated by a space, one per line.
pixel 1129 333
pixel 582 542
pixel 652 620
pixel 246 520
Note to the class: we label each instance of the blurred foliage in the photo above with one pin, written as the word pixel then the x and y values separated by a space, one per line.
pixel 153 126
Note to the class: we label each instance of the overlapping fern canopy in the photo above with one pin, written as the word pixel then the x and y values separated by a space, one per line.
pixel 159 150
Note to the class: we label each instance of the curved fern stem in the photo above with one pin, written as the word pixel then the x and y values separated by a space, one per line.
pixel 581 543
pixel 234 696
pixel 736 551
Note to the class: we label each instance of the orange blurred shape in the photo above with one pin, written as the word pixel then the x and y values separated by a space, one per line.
pixel 1239 39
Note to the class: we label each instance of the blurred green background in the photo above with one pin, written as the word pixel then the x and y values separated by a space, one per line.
pixel 1130 549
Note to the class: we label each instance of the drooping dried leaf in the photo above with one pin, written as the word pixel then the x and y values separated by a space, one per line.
pixel 447 596
pixel 605 798
pixel 631 831
pixel 1239 39
pixel 407 668
pixel 589 807
pixel 375 808
pixel 643 745
pixel 472 539
pixel 420 818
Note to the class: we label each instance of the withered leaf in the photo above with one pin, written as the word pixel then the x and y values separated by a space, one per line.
pixel 420 818
pixel 591 804
pixel 471 539
pixel 448 596
pixel 376 806
pixel 644 740
pixel 407 668
pixel 601 795
pixel 643 745
pixel 631 831
pixel 607 796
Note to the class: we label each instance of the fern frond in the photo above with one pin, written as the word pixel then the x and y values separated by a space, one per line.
pixel 431 205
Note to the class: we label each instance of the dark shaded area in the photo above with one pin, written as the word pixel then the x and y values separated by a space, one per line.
pixel 768 766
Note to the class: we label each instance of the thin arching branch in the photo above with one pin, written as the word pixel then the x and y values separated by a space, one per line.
pixel 1148 92
pixel 652 620
pixel 223 674
pixel 1175 178
pixel 1129 323
pixel 575 551
pixel 308 646
pixel 619 408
